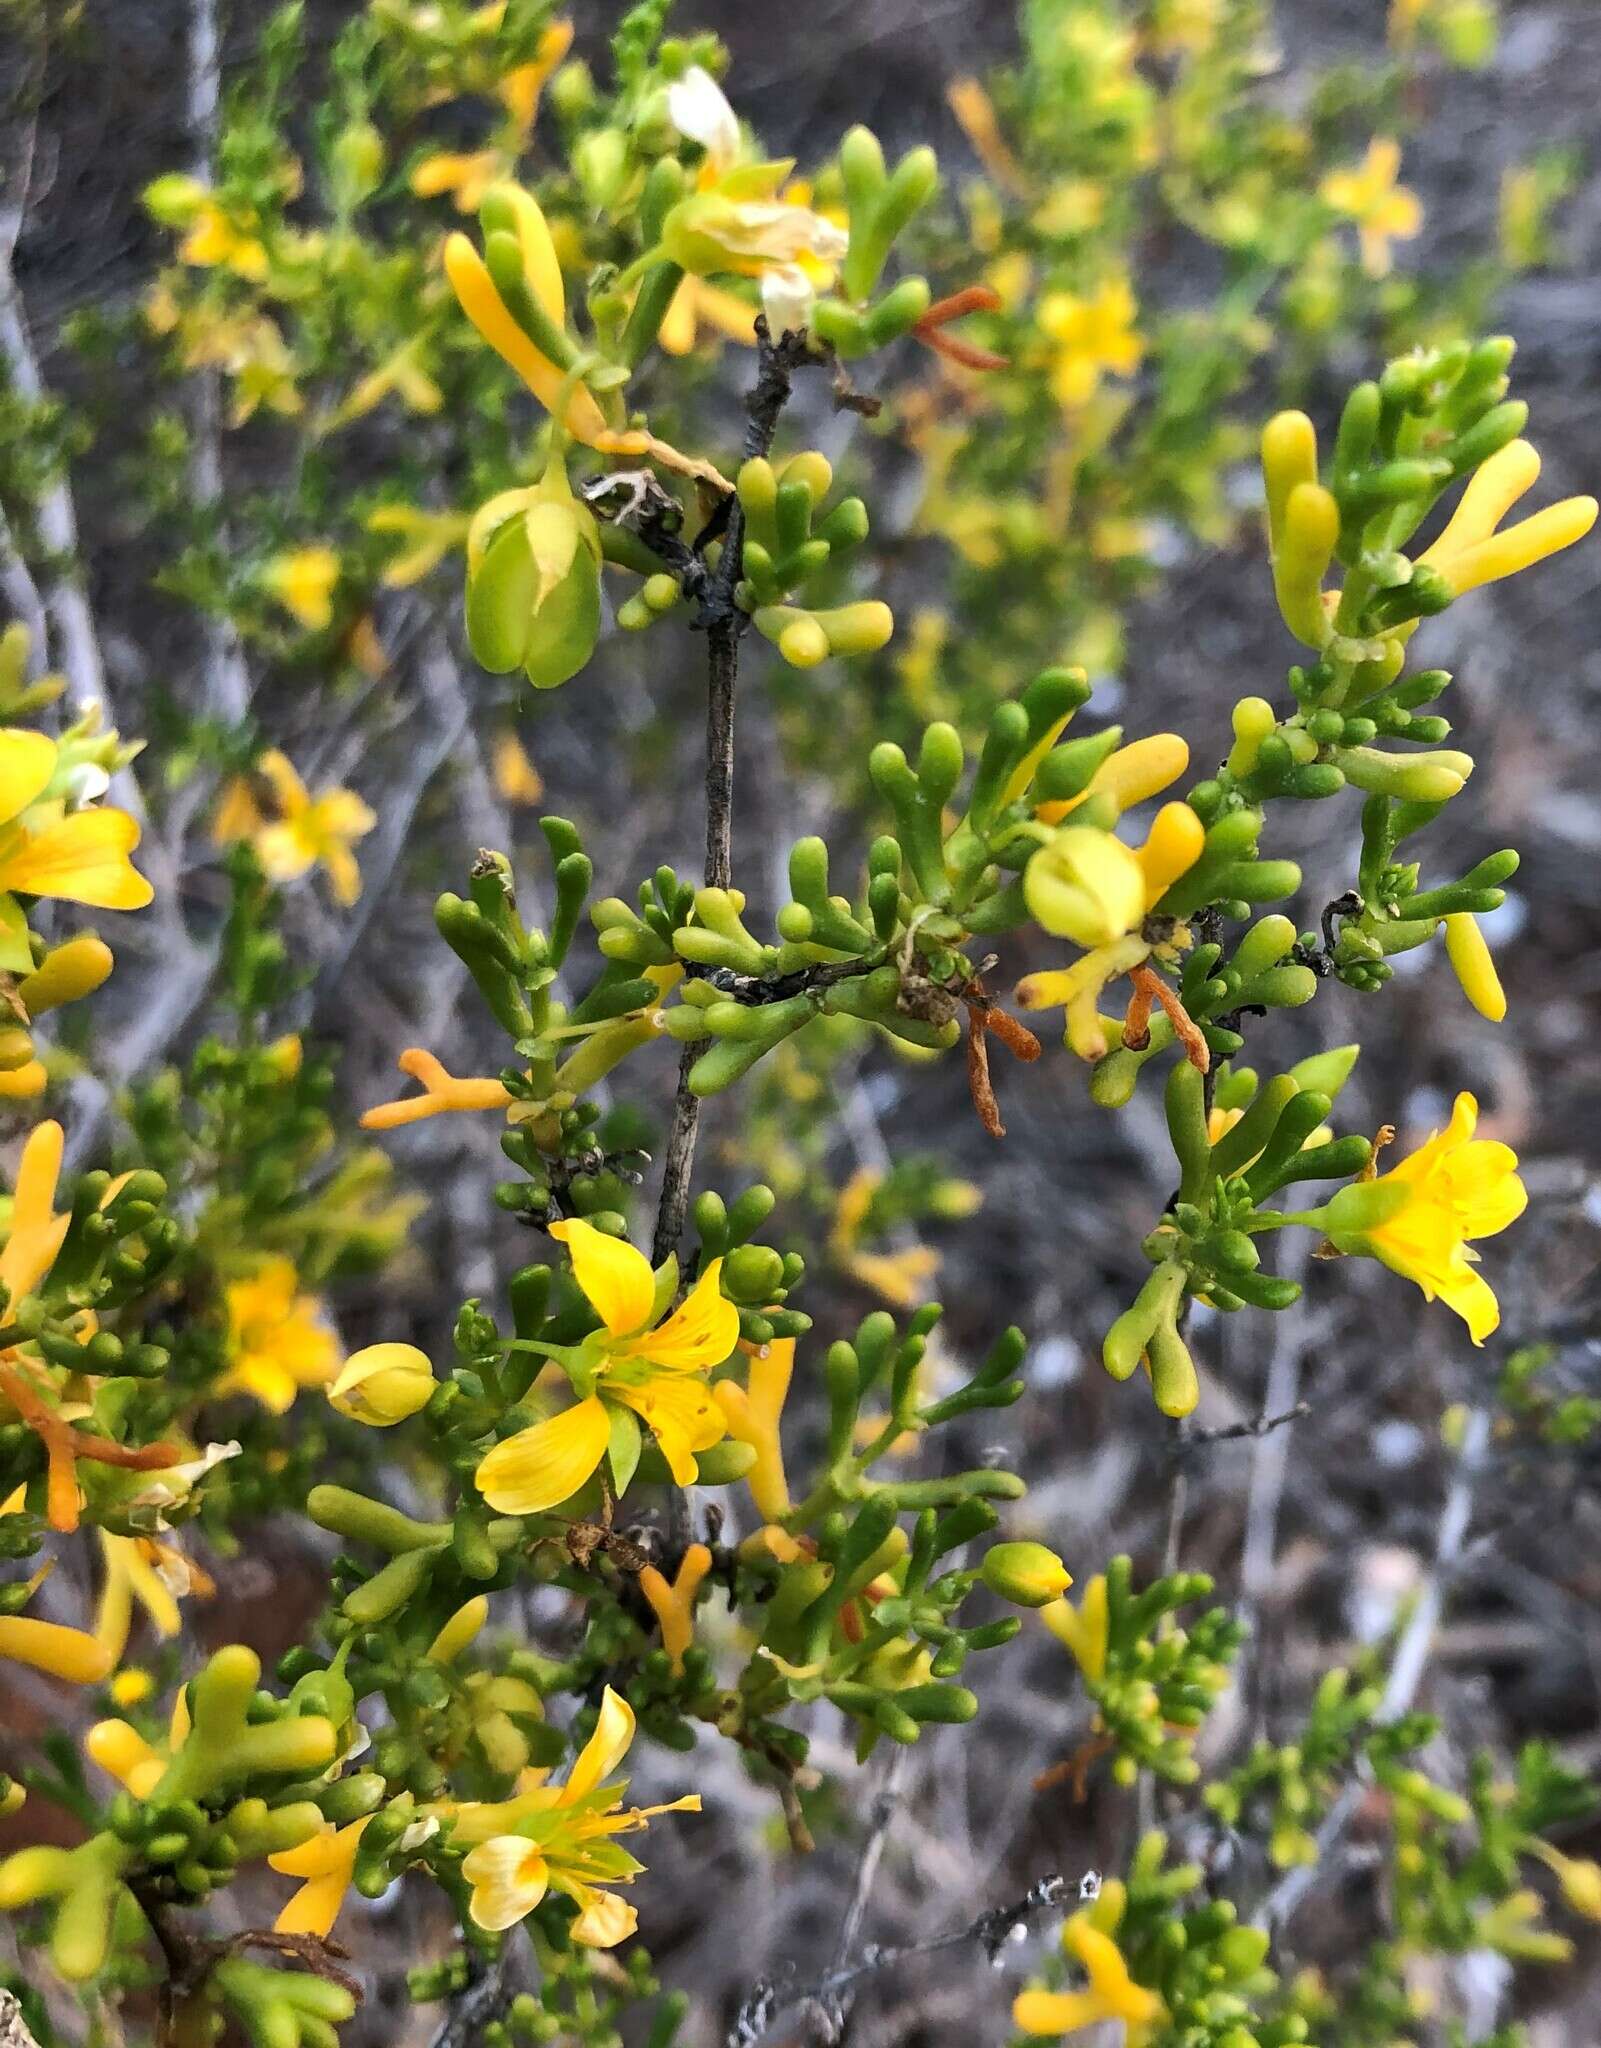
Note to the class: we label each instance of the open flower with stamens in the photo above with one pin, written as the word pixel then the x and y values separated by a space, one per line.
pixel 632 1369
pixel 1419 1217
pixel 562 1838
pixel 1087 886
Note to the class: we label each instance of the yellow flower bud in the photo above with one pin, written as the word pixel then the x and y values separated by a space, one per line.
pixel 462 1627
pixel 1086 886
pixel 66 974
pixel 1027 1574
pixel 383 1384
pixel 1474 966
pixel 62 1652
pixel 1521 546
pixel 1580 1880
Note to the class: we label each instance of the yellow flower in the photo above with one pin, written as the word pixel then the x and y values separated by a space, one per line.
pixel 1471 551
pixel 303 582
pixel 441 1092
pixel 132 1573
pixel 215 241
pixel 517 780
pixel 1111 1993
pixel 277 1339
pixel 753 1414
pixel 400 373
pixel 325 1864
pixel 1384 211
pixel 901 1277
pixel 430 536
pixel 626 1369
pixel 34 1232
pixel 1102 899
pixel 312 831
pixel 384 1384
pixel 1094 336
pixel 77 856
pixel 674 1604
pixel 1084 1628
pixel 560 1838
pixel 1419 1216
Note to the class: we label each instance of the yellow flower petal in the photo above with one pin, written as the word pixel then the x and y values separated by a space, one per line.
pixel 616 1280
pixel 27 762
pixel 82 858
pixel 699 1334
pixel 509 1877
pixel 545 1465
pixel 605 1749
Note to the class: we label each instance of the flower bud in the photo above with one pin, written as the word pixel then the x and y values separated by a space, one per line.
pixel 1086 886
pixel 1027 1574
pixel 383 1385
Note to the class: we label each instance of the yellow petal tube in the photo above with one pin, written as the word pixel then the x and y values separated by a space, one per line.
pixel 1301 559
pixel 1493 489
pixel 1173 846
pixel 1474 966
pixel 1083 1628
pixel 1142 769
pixel 1521 546
pixel 46 1646
pixel 753 1416
pixel 674 1604
pixel 441 1091
pixel 538 1468
pixel 486 310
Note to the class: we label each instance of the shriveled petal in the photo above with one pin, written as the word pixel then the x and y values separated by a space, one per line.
pixel 616 1279
pixel 605 1749
pixel 27 762
pixel 509 1877
pixel 699 1334
pixel 82 859
pixel 542 1466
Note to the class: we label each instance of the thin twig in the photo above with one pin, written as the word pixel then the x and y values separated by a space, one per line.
pixel 1406 1669
pixel 992 1931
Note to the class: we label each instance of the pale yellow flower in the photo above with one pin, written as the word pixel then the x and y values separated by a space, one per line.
pixel 277 1339
pixel 1384 212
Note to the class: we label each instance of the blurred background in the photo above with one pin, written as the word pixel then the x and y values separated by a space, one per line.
pixel 1321 1531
